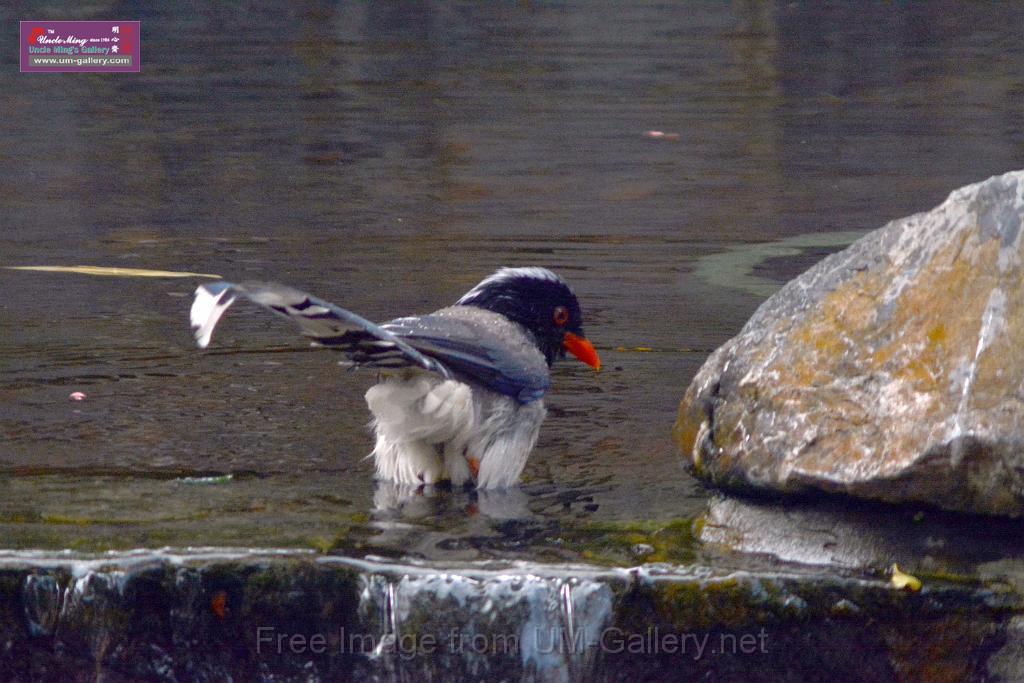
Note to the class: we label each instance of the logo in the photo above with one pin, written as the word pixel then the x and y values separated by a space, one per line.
pixel 80 46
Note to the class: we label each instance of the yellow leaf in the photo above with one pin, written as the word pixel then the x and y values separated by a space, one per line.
pixel 904 581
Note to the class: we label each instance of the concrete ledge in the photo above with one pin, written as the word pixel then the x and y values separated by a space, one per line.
pixel 211 615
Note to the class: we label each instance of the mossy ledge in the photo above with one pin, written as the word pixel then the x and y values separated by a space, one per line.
pixel 214 615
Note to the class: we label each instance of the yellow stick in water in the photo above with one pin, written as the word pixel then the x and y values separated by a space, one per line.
pixel 111 272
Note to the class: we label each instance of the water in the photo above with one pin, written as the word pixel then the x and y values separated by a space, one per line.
pixel 387 157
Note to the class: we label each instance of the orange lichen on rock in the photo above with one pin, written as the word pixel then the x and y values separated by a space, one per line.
pixel 892 370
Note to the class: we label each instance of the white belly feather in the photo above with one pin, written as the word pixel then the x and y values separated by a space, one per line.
pixel 428 429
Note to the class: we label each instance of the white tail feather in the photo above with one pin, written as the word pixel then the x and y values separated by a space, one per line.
pixel 207 309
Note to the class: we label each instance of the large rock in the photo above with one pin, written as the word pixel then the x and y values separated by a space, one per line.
pixel 892 370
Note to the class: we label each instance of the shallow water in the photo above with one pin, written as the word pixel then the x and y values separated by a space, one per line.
pixel 387 158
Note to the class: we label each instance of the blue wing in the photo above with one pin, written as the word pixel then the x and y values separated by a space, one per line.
pixel 480 346
pixel 462 341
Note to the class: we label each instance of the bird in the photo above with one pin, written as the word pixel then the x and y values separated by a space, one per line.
pixel 460 391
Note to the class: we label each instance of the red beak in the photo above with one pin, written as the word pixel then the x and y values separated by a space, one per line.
pixel 582 349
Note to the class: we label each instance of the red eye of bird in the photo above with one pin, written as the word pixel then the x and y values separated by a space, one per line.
pixel 560 315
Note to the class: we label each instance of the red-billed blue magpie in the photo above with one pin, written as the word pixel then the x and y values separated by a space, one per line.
pixel 461 390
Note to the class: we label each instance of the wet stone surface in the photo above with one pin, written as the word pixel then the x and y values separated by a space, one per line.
pixel 198 617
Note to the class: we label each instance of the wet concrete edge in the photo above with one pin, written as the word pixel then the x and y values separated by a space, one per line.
pixel 208 615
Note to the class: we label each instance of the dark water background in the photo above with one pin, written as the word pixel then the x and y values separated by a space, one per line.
pixel 387 156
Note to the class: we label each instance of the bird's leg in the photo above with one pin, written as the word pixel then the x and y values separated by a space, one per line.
pixel 474 464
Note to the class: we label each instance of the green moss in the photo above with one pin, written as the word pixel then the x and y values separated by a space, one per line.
pixel 354 537
pixel 723 603
pixel 85 521
pixel 321 544
pixel 614 544
pixel 939 576
pixel 698 526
